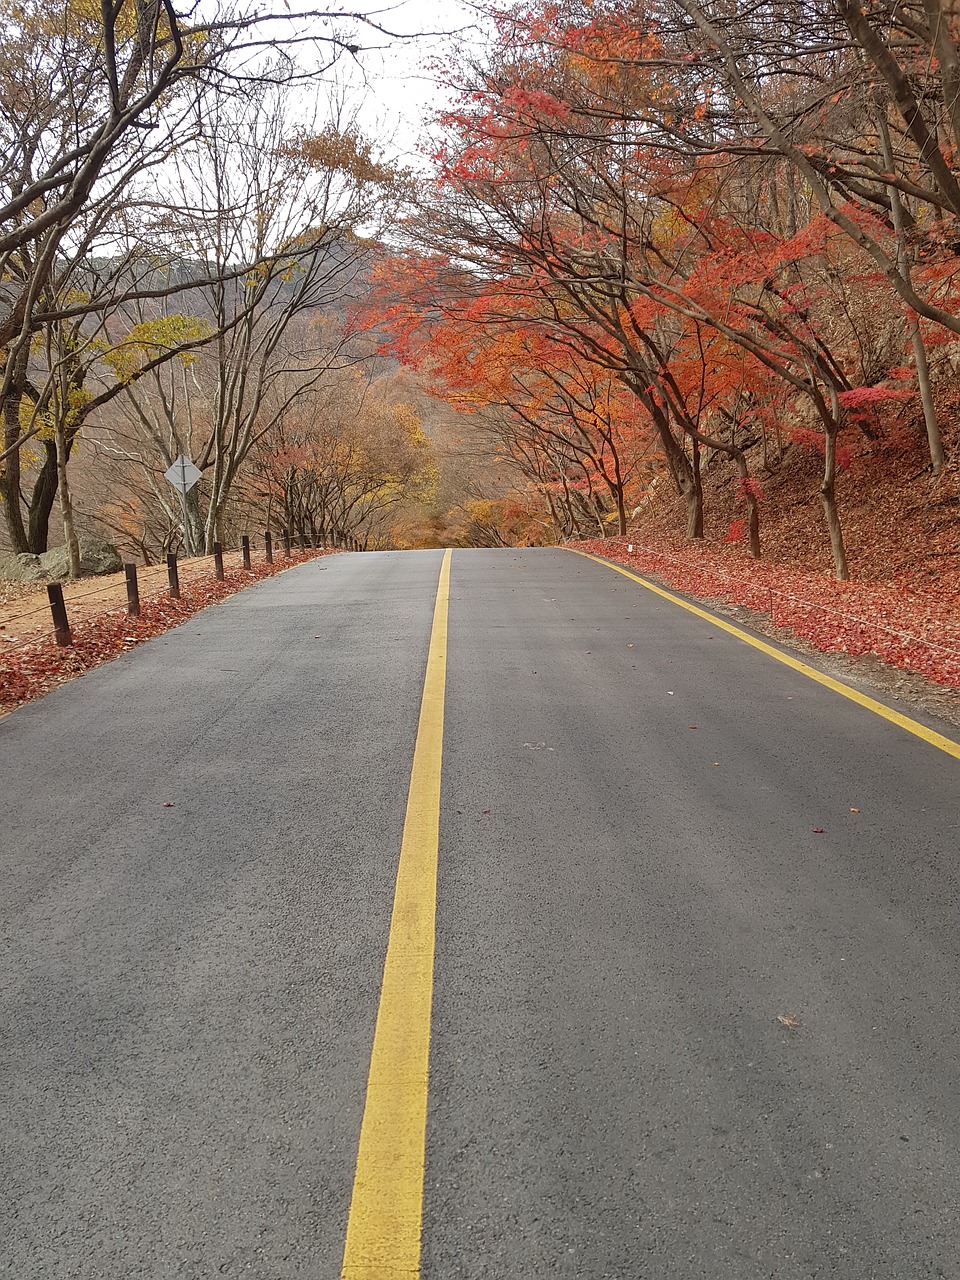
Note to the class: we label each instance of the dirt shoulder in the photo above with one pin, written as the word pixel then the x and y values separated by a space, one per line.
pixel 25 611
pixel 31 661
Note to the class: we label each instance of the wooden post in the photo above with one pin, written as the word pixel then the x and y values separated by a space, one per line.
pixel 268 546
pixel 173 575
pixel 61 625
pixel 218 561
pixel 245 545
pixel 286 542
pixel 133 591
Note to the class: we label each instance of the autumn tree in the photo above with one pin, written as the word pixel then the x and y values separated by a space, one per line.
pixel 94 102
pixel 565 423
pixel 564 174
pixel 350 462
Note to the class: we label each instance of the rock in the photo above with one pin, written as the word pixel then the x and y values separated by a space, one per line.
pixel 96 557
pixel 21 568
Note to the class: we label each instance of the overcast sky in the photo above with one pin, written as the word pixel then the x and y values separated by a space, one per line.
pixel 394 84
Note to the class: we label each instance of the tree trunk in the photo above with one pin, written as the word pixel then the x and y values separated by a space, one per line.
pixel 931 422
pixel 904 265
pixel 692 488
pixel 618 494
pixel 10 476
pixel 598 514
pixel 753 506
pixel 685 478
pixel 618 487
pixel 693 497
pixel 42 499
pixel 193 534
pixel 66 504
pixel 828 494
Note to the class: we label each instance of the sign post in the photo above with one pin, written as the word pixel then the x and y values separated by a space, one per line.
pixel 183 475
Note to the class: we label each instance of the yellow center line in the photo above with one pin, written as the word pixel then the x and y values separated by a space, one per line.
pixel 904 722
pixel 386 1211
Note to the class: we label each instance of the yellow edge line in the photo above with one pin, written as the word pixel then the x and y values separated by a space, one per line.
pixel 912 726
pixel 386 1211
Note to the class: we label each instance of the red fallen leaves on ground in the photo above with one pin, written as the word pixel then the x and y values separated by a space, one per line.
pixel 27 671
pixel 908 628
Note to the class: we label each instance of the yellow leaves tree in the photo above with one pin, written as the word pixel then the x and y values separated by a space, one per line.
pixel 152 340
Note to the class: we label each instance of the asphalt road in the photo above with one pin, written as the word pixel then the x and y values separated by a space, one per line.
pixel 655 843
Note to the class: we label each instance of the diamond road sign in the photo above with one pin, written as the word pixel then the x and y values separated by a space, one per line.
pixel 182 474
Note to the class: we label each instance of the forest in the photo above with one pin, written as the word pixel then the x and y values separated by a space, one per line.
pixel 683 267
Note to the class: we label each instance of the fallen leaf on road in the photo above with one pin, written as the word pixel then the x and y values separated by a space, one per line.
pixel 789 1020
pixel 486 811
pixel 693 726
pixel 716 764
pixel 854 810
pixel 629 646
pixel 168 804
pixel 818 831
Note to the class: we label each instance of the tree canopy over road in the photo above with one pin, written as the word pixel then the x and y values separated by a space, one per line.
pixel 651 249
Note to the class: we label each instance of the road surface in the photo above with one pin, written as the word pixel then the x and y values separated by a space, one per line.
pixel 695 985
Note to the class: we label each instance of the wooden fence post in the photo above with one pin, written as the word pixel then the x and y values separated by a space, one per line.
pixel 268 546
pixel 133 591
pixel 218 561
pixel 61 624
pixel 173 575
pixel 245 546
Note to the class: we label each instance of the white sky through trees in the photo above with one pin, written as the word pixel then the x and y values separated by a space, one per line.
pixel 391 81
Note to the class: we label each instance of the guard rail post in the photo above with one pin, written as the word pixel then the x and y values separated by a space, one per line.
pixel 133 591
pixel 61 624
pixel 173 575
